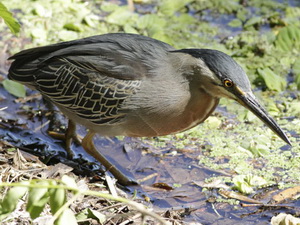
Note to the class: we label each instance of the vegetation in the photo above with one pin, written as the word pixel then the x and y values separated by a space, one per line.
pixel 263 36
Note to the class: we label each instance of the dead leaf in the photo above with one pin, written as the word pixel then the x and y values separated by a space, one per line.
pixel 163 186
pixel 147 177
pixel 30 158
pixel 28 98
pixel 19 160
pixel 214 184
pixel 286 194
pixel 53 171
pixel 285 219
pixel 235 195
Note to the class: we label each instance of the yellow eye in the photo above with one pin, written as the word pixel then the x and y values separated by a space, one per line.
pixel 228 83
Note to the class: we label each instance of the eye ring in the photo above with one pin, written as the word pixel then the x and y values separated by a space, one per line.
pixel 228 83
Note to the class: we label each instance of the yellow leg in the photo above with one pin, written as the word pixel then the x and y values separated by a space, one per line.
pixel 71 134
pixel 89 147
pixel 68 137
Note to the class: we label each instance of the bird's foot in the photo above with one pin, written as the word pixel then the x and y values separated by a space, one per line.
pixel 89 147
pixel 69 137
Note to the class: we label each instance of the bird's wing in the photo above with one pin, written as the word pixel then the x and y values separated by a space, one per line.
pixel 89 93
pixel 116 51
pixel 91 78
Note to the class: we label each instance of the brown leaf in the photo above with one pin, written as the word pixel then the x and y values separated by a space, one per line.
pixel 286 194
pixel 162 186
pixel 58 169
pixel 235 195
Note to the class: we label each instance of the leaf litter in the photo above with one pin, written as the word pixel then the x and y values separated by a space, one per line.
pixel 171 160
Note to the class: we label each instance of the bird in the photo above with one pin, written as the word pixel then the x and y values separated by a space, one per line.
pixel 121 84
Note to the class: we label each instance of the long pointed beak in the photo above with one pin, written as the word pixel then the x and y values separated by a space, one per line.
pixel 248 100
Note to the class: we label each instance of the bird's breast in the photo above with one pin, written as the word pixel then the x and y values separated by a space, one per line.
pixel 200 106
pixel 190 110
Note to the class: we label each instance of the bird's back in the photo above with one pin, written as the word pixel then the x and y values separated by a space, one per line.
pixel 104 52
pixel 90 79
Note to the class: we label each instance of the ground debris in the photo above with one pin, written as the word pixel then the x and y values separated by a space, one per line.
pixel 21 166
pixel 285 219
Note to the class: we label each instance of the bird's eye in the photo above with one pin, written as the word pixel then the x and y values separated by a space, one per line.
pixel 228 83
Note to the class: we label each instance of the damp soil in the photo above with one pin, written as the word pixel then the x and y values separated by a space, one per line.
pixel 172 180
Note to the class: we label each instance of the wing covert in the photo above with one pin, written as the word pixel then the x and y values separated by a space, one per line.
pixel 85 91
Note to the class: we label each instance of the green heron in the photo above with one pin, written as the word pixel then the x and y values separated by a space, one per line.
pixel 131 85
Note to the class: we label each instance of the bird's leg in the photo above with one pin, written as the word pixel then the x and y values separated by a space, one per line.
pixel 89 147
pixel 69 136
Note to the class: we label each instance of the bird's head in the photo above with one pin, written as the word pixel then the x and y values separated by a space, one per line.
pixel 221 76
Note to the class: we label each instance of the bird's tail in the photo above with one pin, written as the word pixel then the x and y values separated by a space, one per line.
pixel 22 72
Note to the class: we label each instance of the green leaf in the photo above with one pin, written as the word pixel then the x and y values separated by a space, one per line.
pixel 246 183
pixel 91 214
pixel 72 27
pixel 121 16
pixel 67 217
pixel 169 7
pixel 235 23
pixel 36 208
pixel 69 181
pixel 213 122
pixel 272 80
pixel 14 88
pixel 151 22
pixel 90 20
pixel 101 218
pixel 288 39
pixel 241 14
pixel 37 199
pixel 38 33
pixel 10 200
pixel 82 215
pixel 296 71
pixel 57 199
pixel 67 35
pixel 129 29
pixel 109 7
pixel 294 108
pixel 259 147
pixel 253 21
pixel 39 10
pixel 13 24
